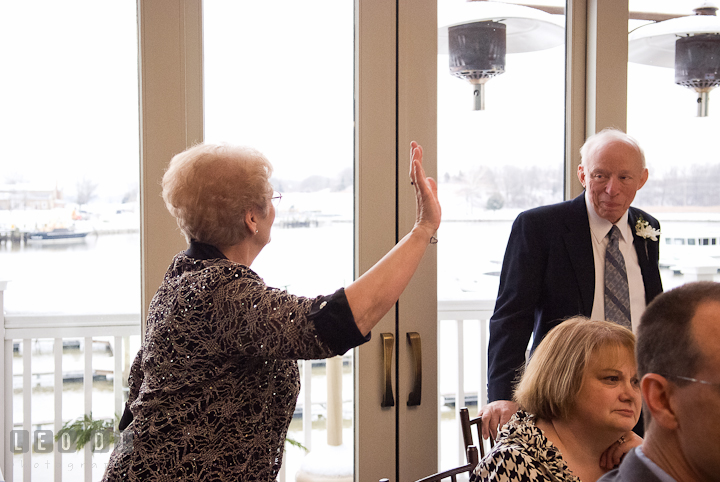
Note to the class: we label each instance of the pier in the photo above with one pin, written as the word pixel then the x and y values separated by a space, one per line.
pixel 13 236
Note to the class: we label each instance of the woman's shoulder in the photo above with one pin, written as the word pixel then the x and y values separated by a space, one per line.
pixel 509 463
pixel 522 452
pixel 211 271
pixel 514 450
pixel 219 280
pixel 520 429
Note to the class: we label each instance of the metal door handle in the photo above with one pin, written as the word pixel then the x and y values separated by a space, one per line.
pixel 388 342
pixel 415 347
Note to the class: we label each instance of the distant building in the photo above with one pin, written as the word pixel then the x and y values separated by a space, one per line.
pixel 26 196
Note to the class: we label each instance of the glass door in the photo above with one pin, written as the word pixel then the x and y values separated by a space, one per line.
pixel 278 76
pixel 501 130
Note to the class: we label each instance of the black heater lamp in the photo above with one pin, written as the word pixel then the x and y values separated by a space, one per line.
pixel 476 35
pixel 477 53
pixel 690 44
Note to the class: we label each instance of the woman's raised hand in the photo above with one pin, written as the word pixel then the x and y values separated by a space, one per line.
pixel 428 211
pixel 376 291
pixel 612 457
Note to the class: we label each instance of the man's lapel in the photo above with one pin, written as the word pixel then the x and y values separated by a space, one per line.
pixel 639 243
pixel 578 243
pixel 647 253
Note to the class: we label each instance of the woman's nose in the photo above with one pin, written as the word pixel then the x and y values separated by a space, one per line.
pixel 630 392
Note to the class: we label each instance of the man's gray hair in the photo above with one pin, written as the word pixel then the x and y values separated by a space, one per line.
pixel 606 135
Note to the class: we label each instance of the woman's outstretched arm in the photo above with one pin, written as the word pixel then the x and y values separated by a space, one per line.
pixel 373 294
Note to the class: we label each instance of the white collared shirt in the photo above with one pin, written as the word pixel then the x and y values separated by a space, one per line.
pixel 599 228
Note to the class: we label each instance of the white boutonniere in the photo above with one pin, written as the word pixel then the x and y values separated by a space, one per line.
pixel 645 231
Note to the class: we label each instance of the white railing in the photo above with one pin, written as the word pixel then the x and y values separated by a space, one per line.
pixel 28 329
pixel 24 331
pixel 457 318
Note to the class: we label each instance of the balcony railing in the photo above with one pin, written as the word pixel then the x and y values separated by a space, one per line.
pixel 456 319
pixel 22 331
pixel 462 351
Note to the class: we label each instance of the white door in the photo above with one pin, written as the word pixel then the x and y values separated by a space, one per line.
pixel 395 103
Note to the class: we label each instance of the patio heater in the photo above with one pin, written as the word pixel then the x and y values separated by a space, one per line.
pixel 690 45
pixel 478 34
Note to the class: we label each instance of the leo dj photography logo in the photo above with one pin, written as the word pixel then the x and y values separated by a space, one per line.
pixel 45 441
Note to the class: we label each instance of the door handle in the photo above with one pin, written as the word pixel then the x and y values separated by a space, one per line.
pixel 416 350
pixel 388 342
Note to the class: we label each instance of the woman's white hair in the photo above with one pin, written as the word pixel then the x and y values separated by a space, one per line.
pixel 209 188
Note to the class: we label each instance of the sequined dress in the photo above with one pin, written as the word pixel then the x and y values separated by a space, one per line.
pixel 522 453
pixel 214 385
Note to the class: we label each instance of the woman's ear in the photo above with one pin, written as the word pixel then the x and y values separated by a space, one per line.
pixel 658 395
pixel 251 221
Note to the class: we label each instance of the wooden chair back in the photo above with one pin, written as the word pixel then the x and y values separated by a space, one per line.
pixel 466 425
pixel 473 461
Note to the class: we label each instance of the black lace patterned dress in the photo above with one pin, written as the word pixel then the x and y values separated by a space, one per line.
pixel 522 453
pixel 214 385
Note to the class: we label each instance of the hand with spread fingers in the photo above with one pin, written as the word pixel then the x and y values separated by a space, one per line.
pixel 427 205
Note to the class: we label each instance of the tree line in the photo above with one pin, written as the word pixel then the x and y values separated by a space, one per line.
pixel 514 187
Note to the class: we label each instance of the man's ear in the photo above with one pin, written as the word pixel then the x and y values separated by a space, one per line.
pixel 251 221
pixel 657 393
pixel 581 174
pixel 644 178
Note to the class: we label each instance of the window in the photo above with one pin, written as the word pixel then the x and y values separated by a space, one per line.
pixel 292 99
pixel 69 216
pixel 70 130
pixel 496 162
pixel 679 145
pixel 492 164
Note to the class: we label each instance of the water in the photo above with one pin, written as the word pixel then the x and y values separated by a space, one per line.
pixel 102 273
pixel 98 275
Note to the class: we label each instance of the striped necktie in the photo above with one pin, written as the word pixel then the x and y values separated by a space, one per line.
pixel 617 294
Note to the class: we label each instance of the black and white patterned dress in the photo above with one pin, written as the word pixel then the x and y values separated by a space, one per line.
pixel 522 453
pixel 214 385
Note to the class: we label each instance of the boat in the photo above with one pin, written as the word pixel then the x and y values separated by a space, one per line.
pixel 55 234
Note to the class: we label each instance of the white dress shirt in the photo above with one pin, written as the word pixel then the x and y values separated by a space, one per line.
pixel 599 228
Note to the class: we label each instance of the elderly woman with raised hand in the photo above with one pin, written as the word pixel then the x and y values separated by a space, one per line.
pixel 579 400
pixel 214 386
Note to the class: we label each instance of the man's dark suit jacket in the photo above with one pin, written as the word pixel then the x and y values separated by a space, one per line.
pixel 548 275
pixel 632 469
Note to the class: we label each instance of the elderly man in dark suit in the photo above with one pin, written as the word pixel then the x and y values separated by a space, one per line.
pixel 562 260
pixel 679 362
